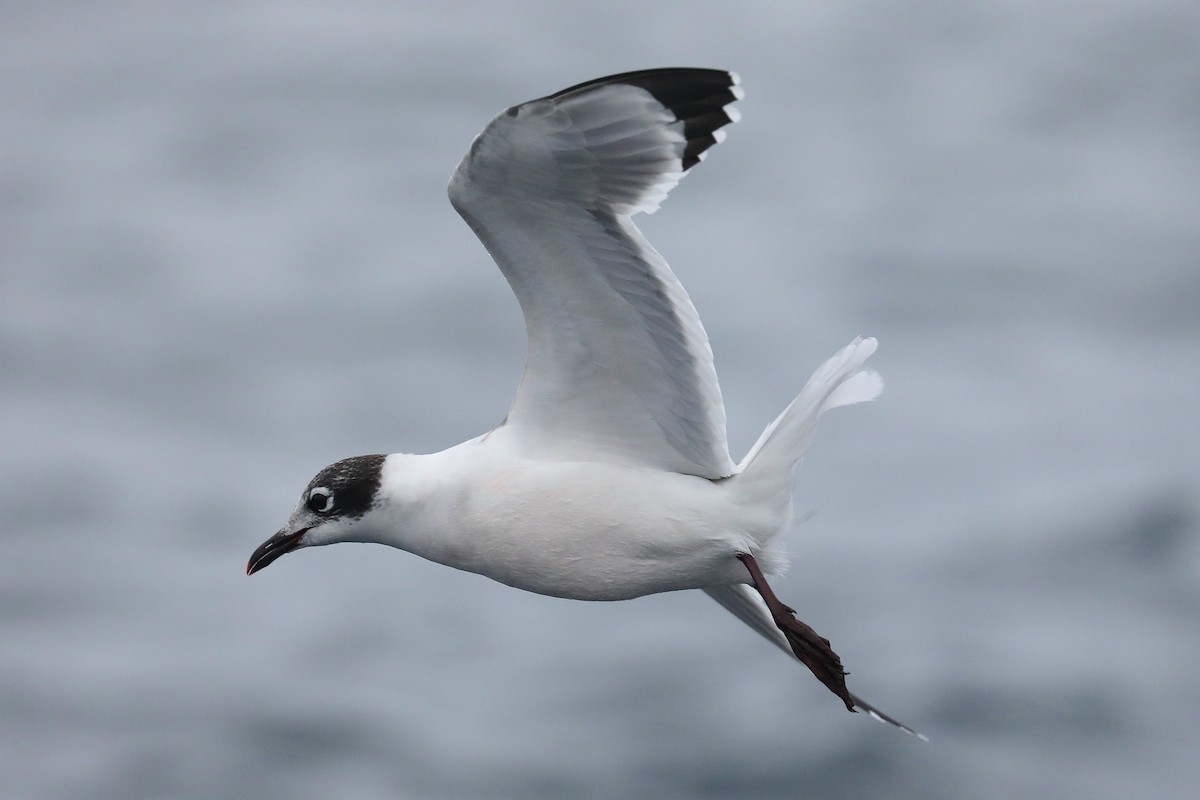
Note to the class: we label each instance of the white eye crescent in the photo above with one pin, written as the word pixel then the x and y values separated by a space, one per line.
pixel 320 500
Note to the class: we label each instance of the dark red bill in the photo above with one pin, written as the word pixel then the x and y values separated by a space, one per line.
pixel 282 542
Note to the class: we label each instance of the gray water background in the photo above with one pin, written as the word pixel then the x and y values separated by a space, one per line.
pixel 226 259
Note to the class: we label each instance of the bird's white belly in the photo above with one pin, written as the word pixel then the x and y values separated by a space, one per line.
pixel 593 531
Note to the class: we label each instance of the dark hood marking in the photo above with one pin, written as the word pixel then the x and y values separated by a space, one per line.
pixel 354 483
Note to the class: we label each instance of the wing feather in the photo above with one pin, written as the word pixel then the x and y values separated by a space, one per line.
pixel 619 366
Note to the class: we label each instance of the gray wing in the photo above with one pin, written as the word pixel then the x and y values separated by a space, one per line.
pixel 619 366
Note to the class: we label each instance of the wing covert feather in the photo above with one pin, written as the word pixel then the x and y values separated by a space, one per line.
pixel 619 366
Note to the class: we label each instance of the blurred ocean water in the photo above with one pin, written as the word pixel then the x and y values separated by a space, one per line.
pixel 226 259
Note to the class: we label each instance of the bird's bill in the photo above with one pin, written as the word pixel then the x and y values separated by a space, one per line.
pixel 283 542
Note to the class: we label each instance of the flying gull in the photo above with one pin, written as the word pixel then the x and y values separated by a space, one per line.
pixel 610 478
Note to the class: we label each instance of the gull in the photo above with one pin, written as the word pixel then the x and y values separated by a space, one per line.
pixel 610 478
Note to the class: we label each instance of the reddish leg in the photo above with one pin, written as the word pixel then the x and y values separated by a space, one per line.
pixel 812 649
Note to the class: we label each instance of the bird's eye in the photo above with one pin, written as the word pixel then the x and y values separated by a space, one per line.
pixel 320 500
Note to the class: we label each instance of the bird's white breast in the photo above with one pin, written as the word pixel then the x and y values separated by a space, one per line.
pixel 581 530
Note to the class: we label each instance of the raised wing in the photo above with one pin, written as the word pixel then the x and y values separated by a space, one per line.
pixel 619 366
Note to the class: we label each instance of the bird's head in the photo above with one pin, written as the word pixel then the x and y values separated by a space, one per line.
pixel 332 508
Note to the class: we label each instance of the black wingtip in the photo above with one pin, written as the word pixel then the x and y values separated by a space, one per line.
pixel 700 98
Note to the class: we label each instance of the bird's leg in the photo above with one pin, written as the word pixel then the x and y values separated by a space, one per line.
pixel 812 649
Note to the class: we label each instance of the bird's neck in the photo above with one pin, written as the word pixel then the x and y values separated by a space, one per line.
pixel 420 499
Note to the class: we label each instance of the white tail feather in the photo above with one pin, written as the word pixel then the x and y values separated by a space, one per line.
pixel 840 381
